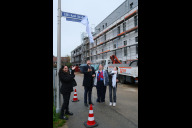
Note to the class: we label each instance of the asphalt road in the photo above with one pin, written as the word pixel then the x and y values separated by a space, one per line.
pixel 123 115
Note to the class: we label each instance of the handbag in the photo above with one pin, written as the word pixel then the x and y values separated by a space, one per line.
pixel 74 83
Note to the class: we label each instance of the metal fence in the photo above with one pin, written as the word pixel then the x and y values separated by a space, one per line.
pixel 54 86
pixel 55 75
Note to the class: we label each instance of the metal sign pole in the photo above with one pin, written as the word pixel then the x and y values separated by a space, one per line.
pixel 69 17
pixel 58 51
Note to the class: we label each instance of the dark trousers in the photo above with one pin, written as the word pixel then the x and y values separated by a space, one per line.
pixel 101 90
pixel 65 106
pixel 112 91
pixel 88 90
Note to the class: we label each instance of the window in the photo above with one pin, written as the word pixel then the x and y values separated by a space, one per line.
pixel 125 42
pixel 124 26
pixel 99 29
pixel 114 46
pixel 115 52
pixel 105 37
pixel 133 64
pixel 135 20
pixel 118 30
pixel 136 49
pixel 105 24
pixel 136 30
pixel 125 51
pixel 124 62
pixel 136 39
pixel 131 5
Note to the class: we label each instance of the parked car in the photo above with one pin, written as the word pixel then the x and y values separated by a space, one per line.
pixel 95 66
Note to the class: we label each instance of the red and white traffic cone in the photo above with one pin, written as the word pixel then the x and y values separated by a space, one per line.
pixel 75 99
pixel 91 121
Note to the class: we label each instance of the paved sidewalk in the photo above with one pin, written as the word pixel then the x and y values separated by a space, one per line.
pixel 124 115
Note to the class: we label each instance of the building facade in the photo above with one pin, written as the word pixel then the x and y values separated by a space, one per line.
pixel 76 56
pixel 80 54
pixel 117 34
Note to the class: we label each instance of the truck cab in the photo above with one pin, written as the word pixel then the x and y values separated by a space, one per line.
pixel 128 73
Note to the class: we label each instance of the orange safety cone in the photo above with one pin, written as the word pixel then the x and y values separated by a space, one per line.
pixel 91 121
pixel 75 99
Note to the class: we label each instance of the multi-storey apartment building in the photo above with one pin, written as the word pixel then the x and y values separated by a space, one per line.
pixel 117 34
pixel 76 56
pixel 80 54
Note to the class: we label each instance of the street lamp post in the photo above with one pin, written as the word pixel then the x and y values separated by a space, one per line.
pixel 58 51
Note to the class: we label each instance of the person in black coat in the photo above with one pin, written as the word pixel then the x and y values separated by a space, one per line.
pixel 68 82
pixel 89 74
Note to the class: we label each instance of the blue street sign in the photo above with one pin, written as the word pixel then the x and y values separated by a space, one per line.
pixel 75 20
pixel 72 15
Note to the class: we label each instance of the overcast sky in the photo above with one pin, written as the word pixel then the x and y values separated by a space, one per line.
pixel 95 10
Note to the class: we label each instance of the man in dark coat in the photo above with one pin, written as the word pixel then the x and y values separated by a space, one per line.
pixel 89 74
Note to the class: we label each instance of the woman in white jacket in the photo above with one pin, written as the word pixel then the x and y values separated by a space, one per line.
pixel 113 79
pixel 101 81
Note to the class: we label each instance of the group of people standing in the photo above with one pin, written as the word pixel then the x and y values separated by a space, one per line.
pixel 99 79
